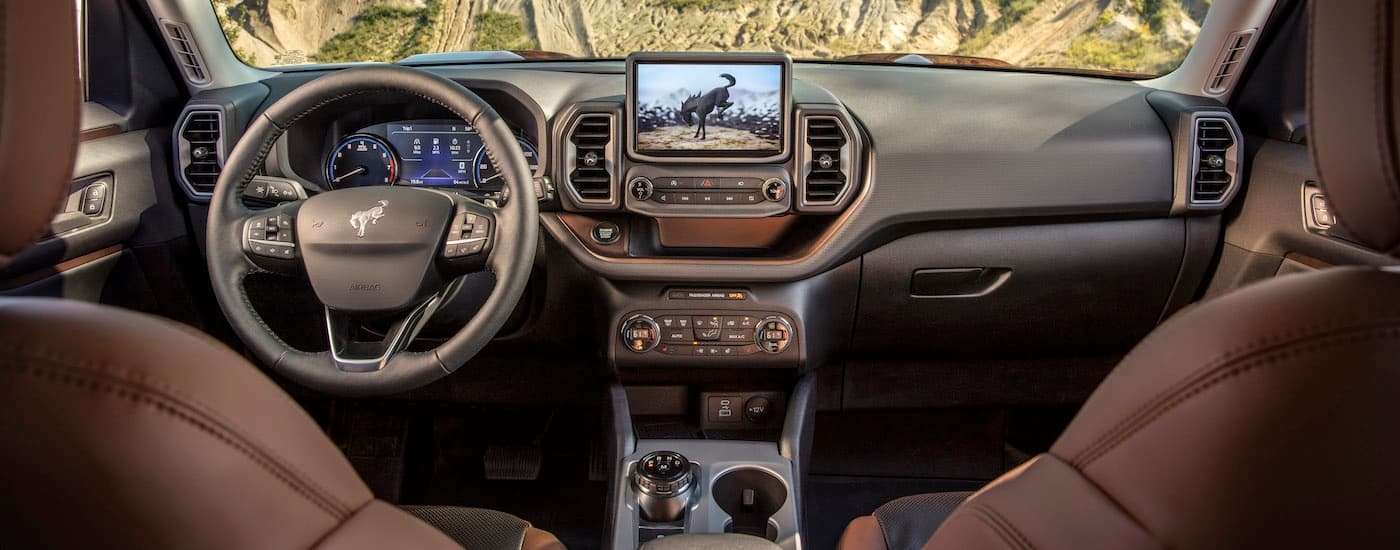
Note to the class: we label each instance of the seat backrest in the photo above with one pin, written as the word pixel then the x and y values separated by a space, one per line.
pixel 1264 419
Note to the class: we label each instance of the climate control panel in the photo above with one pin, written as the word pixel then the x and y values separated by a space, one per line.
pixel 708 334
pixel 708 191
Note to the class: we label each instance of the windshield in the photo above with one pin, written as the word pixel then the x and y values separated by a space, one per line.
pixel 1134 37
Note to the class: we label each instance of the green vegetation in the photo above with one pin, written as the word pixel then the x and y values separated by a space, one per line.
pixel 231 20
pixel 1138 52
pixel 383 33
pixel 495 30
pixel 703 5
pixel 1012 11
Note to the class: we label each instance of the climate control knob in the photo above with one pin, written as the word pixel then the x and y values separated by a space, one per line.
pixel 773 334
pixel 640 188
pixel 640 333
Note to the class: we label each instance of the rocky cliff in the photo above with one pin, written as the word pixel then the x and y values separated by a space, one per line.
pixel 1127 35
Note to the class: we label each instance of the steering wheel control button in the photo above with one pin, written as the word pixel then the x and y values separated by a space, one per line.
pixel 606 233
pixel 467 235
pixel 272 236
pixel 640 333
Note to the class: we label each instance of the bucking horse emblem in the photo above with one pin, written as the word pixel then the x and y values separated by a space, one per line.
pixel 364 218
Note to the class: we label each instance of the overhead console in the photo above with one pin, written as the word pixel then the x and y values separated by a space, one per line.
pixel 705 136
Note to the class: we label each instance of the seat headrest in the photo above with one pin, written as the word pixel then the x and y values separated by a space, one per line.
pixel 1353 105
pixel 39 94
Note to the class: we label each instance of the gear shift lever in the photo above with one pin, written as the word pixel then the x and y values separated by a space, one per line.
pixel 663 483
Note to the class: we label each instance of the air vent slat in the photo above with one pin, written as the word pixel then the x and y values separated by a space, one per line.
pixel 185 51
pixel 200 133
pixel 589 174
pixel 1213 175
pixel 1223 76
pixel 826 174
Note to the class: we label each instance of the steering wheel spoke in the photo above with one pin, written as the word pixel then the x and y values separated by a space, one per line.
pixel 351 354
pixel 269 238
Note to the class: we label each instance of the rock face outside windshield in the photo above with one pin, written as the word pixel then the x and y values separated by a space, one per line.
pixel 1141 36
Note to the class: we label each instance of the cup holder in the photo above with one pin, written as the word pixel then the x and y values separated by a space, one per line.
pixel 750 496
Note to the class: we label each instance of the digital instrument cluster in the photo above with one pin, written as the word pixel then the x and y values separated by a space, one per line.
pixel 429 153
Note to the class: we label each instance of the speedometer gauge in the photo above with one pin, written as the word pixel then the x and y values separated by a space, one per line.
pixel 361 160
pixel 488 179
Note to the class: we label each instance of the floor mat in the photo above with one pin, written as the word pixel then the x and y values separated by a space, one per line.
pixel 833 501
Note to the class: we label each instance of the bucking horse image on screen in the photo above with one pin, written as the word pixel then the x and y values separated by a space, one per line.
pixel 709 108
pixel 700 106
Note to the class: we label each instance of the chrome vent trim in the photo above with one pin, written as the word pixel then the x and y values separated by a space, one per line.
pixel 186 54
pixel 1215 146
pixel 1230 63
pixel 590 164
pixel 199 139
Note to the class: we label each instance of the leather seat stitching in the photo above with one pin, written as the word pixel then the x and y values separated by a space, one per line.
pixel 71 372
pixel 1258 345
pixel 1243 364
pixel 1001 526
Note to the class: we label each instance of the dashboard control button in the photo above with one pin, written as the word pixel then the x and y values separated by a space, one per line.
pixel 773 334
pixel 683 198
pixel 674 183
pixel 606 233
pixel 664 197
pixel 707 198
pixel 774 190
pixel 708 334
pixel 737 336
pixel 640 189
pixel 729 198
pixel 640 333
pixel 677 335
pixel 707 321
pixel 749 198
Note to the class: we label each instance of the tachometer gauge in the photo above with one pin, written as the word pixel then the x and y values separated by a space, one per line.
pixel 360 160
pixel 487 179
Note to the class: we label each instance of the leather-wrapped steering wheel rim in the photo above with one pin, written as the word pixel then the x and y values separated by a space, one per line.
pixel 511 256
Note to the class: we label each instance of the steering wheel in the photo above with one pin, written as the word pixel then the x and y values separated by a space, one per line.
pixel 373 253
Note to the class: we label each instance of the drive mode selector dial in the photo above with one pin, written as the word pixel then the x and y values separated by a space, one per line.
pixel 773 334
pixel 640 333
pixel 640 188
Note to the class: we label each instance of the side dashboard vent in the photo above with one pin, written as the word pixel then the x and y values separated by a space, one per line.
pixel 1214 172
pixel 200 151
pixel 828 160
pixel 590 163
pixel 1230 63
pixel 185 52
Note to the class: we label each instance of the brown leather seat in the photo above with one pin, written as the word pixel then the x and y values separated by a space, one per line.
pixel 1265 419
pixel 123 430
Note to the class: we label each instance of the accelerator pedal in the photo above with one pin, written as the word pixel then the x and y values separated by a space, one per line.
pixel 512 462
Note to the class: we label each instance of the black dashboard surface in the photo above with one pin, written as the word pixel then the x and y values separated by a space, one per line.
pixel 945 146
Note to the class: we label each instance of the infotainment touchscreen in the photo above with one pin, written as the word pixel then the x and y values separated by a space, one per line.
pixel 703 108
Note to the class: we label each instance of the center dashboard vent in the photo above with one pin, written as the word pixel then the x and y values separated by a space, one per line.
pixel 1214 172
pixel 200 139
pixel 827 161
pixel 589 162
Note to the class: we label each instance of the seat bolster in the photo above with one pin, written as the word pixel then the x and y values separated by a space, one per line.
pixel 383 525
pixel 863 533
pixel 1044 503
